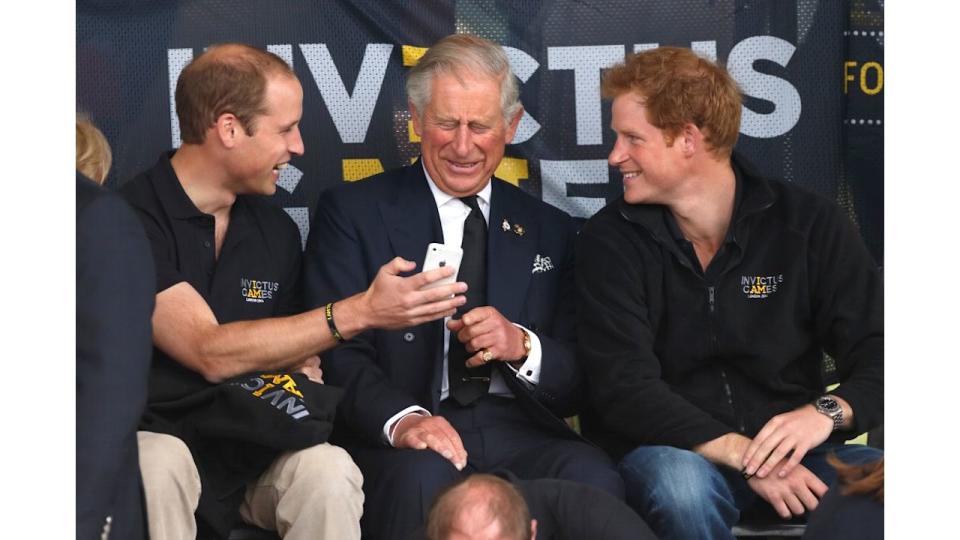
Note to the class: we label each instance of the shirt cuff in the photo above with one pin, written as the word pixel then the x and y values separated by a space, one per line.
pixel 391 423
pixel 530 369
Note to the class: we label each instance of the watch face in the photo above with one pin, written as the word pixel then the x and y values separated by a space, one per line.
pixel 826 403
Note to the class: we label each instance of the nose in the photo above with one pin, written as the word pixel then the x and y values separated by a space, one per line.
pixel 295 144
pixel 617 154
pixel 462 140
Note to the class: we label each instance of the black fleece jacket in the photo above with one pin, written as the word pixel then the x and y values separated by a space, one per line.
pixel 676 356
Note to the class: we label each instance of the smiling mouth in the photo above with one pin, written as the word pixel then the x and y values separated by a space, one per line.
pixel 461 166
pixel 280 166
pixel 630 175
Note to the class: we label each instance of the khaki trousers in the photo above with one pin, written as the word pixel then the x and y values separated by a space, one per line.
pixel 312 493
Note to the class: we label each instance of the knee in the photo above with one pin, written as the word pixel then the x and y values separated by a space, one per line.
pixel 420 468
pixel 327 469
pixel 672 479
pixel 166 463
pixel 595 470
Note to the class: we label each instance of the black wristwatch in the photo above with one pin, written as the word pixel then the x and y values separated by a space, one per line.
pixel 829 406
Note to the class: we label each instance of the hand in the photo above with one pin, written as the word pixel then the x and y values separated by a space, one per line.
pixel 485 329
pixel 790 495
pixel 311 368
pixel 394 302
pixel 434 432
pixel 792 433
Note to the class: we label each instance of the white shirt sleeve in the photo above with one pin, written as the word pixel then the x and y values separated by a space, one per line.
pixel 391 423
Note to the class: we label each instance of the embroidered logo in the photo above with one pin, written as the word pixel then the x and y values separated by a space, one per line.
pixel 541 264
pixel 760 286
pixel 282 392
pixel 256 290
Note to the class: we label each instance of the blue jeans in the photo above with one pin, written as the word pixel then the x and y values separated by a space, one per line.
pixel 682 495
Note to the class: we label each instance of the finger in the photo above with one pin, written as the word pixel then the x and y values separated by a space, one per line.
pixel 795 457
pixel 763 453
pixel 398 265
pixel 449 435
pixel 460 453
pixel 794 504
pixel 757 441
pixel 477 314
pixel 776 456
pixel 816 485
pixel 476 360
pixel 412 438
pixel 439 445
pixel 429 276
pixel 807 498
pixel 442 292
pixel 781 507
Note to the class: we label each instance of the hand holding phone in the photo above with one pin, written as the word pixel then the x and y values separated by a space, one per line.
pixel 440 256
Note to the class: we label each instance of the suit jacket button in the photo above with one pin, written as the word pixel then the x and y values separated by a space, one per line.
pixel 409 336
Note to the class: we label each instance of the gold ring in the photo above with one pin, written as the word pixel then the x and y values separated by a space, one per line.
pixel 486 356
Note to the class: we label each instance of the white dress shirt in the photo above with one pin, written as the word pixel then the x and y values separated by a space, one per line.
pixel 453 212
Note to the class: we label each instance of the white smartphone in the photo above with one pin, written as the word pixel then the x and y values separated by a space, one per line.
pixel 439 256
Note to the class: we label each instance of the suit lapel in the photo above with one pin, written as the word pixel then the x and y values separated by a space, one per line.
pixel 411 216
pixel 509 254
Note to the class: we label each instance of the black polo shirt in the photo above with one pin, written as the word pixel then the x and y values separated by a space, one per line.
pixel 255 277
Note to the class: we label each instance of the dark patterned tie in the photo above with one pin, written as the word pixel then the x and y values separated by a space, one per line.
pixel 468 384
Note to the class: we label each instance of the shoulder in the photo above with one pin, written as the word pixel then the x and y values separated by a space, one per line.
pixel 384 186
pixel 607 221
pixel 275 223
pixel 100 206
pixel 531 205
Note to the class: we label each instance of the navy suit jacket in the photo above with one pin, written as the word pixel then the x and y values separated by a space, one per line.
pixel 115 297
pixel 361 226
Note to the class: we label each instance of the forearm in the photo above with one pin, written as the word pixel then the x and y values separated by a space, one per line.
pixel 227 350
pixel 725 450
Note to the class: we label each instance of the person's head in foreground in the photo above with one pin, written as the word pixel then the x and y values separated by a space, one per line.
pixel 481 507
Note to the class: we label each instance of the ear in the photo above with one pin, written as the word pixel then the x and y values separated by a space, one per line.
pixel 691 139
pixel 228 129
pixel 512 125
pixel 415 117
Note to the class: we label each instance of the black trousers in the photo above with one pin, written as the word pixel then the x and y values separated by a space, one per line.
pixel 400 484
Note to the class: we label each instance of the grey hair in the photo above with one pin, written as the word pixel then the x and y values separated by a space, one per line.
pixel 464 53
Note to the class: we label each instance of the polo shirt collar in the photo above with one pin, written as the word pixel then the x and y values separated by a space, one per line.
pixel 169 190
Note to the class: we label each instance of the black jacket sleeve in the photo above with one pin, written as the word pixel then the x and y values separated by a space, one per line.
pixel 848 313
pixel 115 297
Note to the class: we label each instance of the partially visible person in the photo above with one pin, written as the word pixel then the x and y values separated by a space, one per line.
pixel 484 504
pixel 428 404
pixel 708 296
pixel 237 416
pixel 114 304
pixel 93 151
pixel 853 508
pixel 481 507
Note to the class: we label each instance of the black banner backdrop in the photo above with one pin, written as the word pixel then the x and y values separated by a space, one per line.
pixel 811 72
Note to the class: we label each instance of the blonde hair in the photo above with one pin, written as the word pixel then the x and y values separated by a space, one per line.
pixel 93 151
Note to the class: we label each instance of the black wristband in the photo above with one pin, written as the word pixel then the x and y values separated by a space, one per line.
pixel 328 311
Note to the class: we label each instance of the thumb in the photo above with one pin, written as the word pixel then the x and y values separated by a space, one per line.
pixel 454 325
pixel 398 265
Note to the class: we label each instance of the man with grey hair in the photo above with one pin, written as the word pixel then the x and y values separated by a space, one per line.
pixel 432 403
